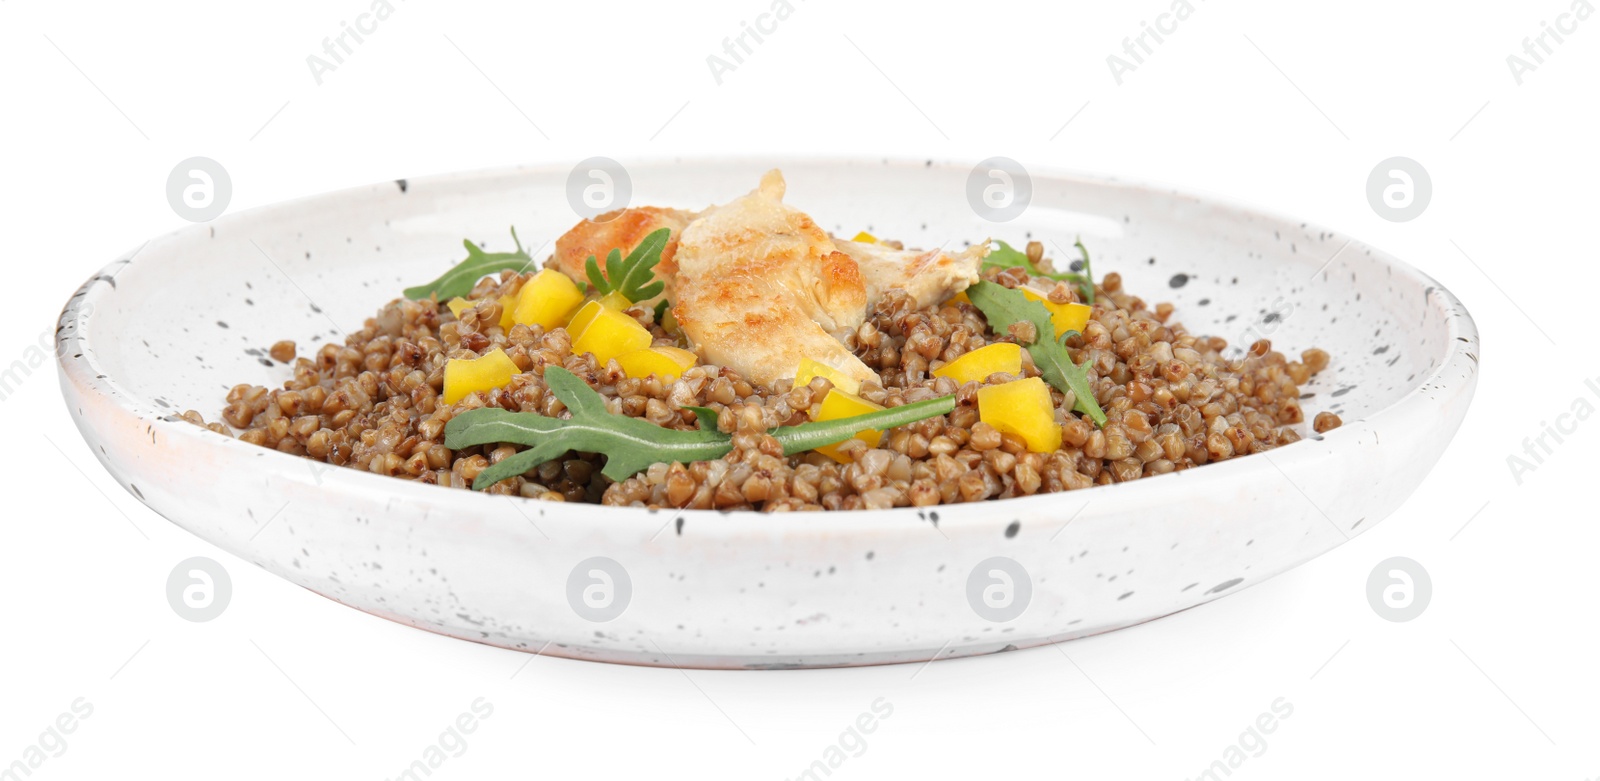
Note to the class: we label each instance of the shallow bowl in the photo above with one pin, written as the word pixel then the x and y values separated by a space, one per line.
pixel 174 324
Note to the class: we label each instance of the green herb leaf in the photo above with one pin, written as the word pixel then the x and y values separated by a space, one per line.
pixel 631 445
pixel 810 436
pixel 633 276
pixel 597 280
pixel 1006 256
pixel 1003 307
pixel 460 279
pixel 1086 284
pixel 705 416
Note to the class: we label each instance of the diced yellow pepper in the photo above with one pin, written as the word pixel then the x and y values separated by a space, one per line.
pixel 664 362
pixel 582 317
pixel 810 369
pixel 463 376
pixel 865 238
pixel 959 298
pixel 1065 317
pixel 547 300
pixel 615 300
pixel 685 358
pixel 508 304
pixel 608 334
pixel 839 404
pixel 458 305
pixel 1022 408
pixel 977 365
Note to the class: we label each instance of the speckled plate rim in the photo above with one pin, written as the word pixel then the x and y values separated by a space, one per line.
pixel 1454 374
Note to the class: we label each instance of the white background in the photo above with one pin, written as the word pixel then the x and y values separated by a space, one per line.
pixel 1286 107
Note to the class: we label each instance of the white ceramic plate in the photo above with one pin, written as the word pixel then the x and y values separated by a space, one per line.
pixel 190 314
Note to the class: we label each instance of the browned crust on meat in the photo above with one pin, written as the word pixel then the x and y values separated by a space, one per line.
pixel 755 315
pixel 621 229
pixel 842 285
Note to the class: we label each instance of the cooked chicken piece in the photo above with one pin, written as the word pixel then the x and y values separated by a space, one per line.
pixel 929 276
pixel 759 287
pixel 622 229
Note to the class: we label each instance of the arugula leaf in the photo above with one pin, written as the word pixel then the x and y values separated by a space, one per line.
pixel 461 278
pixel 1003 307
pixel 1010 257
pixel 705 416
pixel 632 276
pixel 1007 257
pixel 631 445
pixel 810 436
pixel 1086 285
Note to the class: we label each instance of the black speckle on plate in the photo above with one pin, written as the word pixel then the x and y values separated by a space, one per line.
pixel 1225 585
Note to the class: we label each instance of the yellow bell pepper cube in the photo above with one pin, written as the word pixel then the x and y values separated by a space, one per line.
pixel 582 318
pixel 608 334
pixel 977 365
pixel 615 300
pixel 547 300
pixel 458 305
pixel 810 369
pixel 1065 317
pixel 665 363
pixel 685 358
pixel 839 404
pixel 508 304
pixel 865 238
pixel 464 376
pixel 960 298
pixel 1022 408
